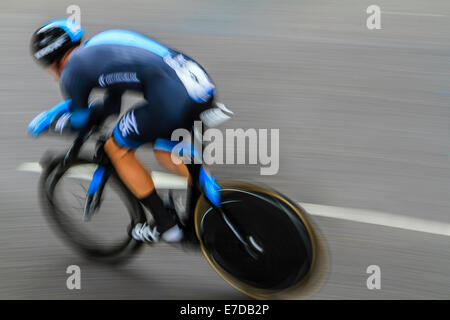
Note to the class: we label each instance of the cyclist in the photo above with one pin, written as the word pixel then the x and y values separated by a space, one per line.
pixel 175 88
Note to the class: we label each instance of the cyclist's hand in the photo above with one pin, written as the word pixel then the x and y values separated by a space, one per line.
pixel 46 122
pixel 39 124
pixel 71 122
pixel 42 121
pixel 61 123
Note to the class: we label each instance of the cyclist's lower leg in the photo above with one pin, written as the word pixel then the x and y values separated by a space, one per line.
pixel 140 183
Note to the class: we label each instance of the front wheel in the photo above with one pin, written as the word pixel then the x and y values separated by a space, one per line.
pixel 105 236
pixel 275 227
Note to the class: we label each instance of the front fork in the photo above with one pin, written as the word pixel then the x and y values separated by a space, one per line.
pixel 95 192
pixel 98 182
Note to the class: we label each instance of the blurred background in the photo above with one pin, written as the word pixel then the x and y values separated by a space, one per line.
pixel 363 118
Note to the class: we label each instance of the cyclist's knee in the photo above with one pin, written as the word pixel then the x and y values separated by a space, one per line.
pixel 131 171
pixel 165 160
pixel 114 151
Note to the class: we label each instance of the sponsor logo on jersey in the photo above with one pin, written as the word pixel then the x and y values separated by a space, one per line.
pixel 105 80
pixel 128 124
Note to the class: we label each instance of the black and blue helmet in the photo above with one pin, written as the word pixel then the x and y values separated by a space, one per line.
pixel 52 40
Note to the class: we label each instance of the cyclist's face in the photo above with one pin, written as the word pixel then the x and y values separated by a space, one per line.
pixel 53 70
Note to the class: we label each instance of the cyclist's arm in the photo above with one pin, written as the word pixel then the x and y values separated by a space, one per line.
pixel 75 85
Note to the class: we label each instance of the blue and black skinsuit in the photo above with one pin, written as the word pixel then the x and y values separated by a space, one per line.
pixel 175 88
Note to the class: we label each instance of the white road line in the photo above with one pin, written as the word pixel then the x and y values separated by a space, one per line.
pixel 166 180
pixel 378 218
pixel 412 14
pixel 162 180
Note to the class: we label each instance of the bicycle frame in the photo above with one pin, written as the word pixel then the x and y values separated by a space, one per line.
pixel 194 191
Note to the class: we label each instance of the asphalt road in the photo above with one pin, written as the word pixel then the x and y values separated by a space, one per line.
pixel 363 118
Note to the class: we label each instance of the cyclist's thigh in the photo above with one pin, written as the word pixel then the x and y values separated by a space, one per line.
pixel 169 107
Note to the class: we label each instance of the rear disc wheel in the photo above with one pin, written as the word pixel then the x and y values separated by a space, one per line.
pixel 276 229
